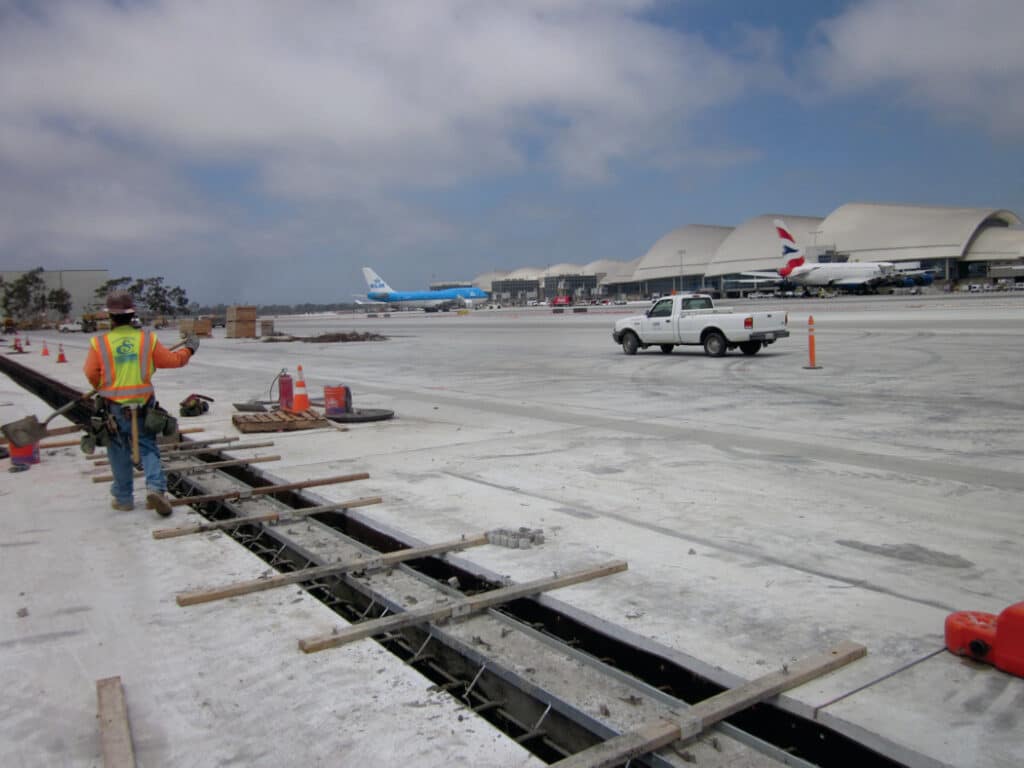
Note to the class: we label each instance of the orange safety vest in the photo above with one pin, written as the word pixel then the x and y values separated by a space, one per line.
pixel 126 360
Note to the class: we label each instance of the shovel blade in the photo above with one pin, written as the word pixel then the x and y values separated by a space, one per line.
pixel 24 431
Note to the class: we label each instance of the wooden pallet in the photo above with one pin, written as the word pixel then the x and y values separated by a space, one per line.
pixel 278 421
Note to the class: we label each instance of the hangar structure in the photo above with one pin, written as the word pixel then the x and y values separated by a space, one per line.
pixel 956 244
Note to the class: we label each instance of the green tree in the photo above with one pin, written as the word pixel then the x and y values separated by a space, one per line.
pixel 25 298
pixel 59 300
pixel 150 294
pixel 117 284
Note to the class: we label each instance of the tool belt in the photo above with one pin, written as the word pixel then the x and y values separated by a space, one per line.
pixel 102 428
pixel 157 421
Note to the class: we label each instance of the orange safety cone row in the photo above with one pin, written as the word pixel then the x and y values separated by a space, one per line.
pixel 300 397
pixel 45 352
pixel 60 354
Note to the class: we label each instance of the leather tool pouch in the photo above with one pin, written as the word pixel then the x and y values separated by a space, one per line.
pixel 157 421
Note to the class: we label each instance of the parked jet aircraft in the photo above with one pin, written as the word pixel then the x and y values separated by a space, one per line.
pixel 849 274
pixel 428 300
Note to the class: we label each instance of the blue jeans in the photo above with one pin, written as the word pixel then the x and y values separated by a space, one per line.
pixel 119 452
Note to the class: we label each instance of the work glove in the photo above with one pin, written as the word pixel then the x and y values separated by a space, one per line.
pixel 192 343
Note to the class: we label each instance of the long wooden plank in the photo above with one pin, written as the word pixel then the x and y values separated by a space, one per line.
pixel 456 608
pixel 115 734
pixel 239 494
pixel 195 469
pixel 703 715
pixel 272 517
pixel 308 574
pixel 195 446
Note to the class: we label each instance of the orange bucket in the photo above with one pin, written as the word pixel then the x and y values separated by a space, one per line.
pixel 24 454
pixel 337 400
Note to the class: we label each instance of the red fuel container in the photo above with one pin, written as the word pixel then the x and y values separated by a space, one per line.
pixel 998 640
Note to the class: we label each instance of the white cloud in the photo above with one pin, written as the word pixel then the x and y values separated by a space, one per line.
pixel 962 60
pixel 331 107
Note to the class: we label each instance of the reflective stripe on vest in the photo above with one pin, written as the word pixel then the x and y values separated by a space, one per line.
pixel 129 382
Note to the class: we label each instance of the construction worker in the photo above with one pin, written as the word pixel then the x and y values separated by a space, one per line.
pixel 120 364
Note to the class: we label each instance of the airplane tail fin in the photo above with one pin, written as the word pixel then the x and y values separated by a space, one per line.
pixel 793 256
pixel 375 282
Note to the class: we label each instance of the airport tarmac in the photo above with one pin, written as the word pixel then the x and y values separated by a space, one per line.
pixel 766 511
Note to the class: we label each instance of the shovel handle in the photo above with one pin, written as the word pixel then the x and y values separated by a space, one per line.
pixel 68 406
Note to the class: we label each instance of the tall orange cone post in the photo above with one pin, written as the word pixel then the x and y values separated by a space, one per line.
pixel 60 354
pixel 45 352
pixel 300 397
pixel 812 363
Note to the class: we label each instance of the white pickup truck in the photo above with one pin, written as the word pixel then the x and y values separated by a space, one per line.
pixel 691 318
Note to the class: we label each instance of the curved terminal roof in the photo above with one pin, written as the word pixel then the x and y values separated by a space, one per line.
pixel 603 267
pixel 524 273
pixel 892 232
pixel 683 251
pixel 997 244
pixel 622 273
pixel 754 245
pixel 563 269
pixel 485 280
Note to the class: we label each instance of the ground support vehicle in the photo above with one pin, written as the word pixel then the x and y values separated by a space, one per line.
pixel 692 318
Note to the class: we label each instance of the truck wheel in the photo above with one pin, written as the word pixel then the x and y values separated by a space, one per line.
pixel 750 347
pixel 667 348
pixel 630 343
pixel 714 344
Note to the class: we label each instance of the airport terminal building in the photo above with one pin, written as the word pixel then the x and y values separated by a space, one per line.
pixel 958 245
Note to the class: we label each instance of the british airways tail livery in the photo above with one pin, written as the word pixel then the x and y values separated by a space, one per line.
pixel 793 255
pixel 428 300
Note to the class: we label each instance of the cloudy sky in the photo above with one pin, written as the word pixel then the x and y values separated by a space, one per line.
pixel 258 150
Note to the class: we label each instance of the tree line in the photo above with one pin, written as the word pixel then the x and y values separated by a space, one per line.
pixel 26 300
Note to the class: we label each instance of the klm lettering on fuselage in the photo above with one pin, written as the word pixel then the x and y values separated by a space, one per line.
pixel 125 352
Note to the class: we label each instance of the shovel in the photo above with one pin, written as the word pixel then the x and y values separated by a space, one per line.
pixel 28 430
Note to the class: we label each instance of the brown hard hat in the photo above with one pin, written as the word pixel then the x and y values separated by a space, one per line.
pixel 120 303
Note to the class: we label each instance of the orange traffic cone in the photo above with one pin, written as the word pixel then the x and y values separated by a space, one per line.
pixel 45 352
pixel 28 342
pixel 60 354
pixel 300 397
pixel 16 346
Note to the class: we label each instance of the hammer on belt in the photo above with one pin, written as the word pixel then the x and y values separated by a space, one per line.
pixel 133 412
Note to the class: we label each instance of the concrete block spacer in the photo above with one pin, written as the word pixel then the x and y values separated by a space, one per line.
pixel 997 640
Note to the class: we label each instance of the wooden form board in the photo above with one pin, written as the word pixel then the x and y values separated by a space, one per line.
pixel 277 421
pixel 309 574
pixel 115 733
pixel 697 718
pixel 272 517
pixel 454 609
pixel 267 489
pixel 195 469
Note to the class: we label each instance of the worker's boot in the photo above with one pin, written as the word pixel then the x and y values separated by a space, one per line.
pixel 121 506
pixel 158 500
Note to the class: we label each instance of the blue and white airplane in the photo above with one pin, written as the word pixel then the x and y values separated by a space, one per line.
pixel 428 300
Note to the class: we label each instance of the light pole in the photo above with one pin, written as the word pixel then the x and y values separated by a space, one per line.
pixel 681 252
